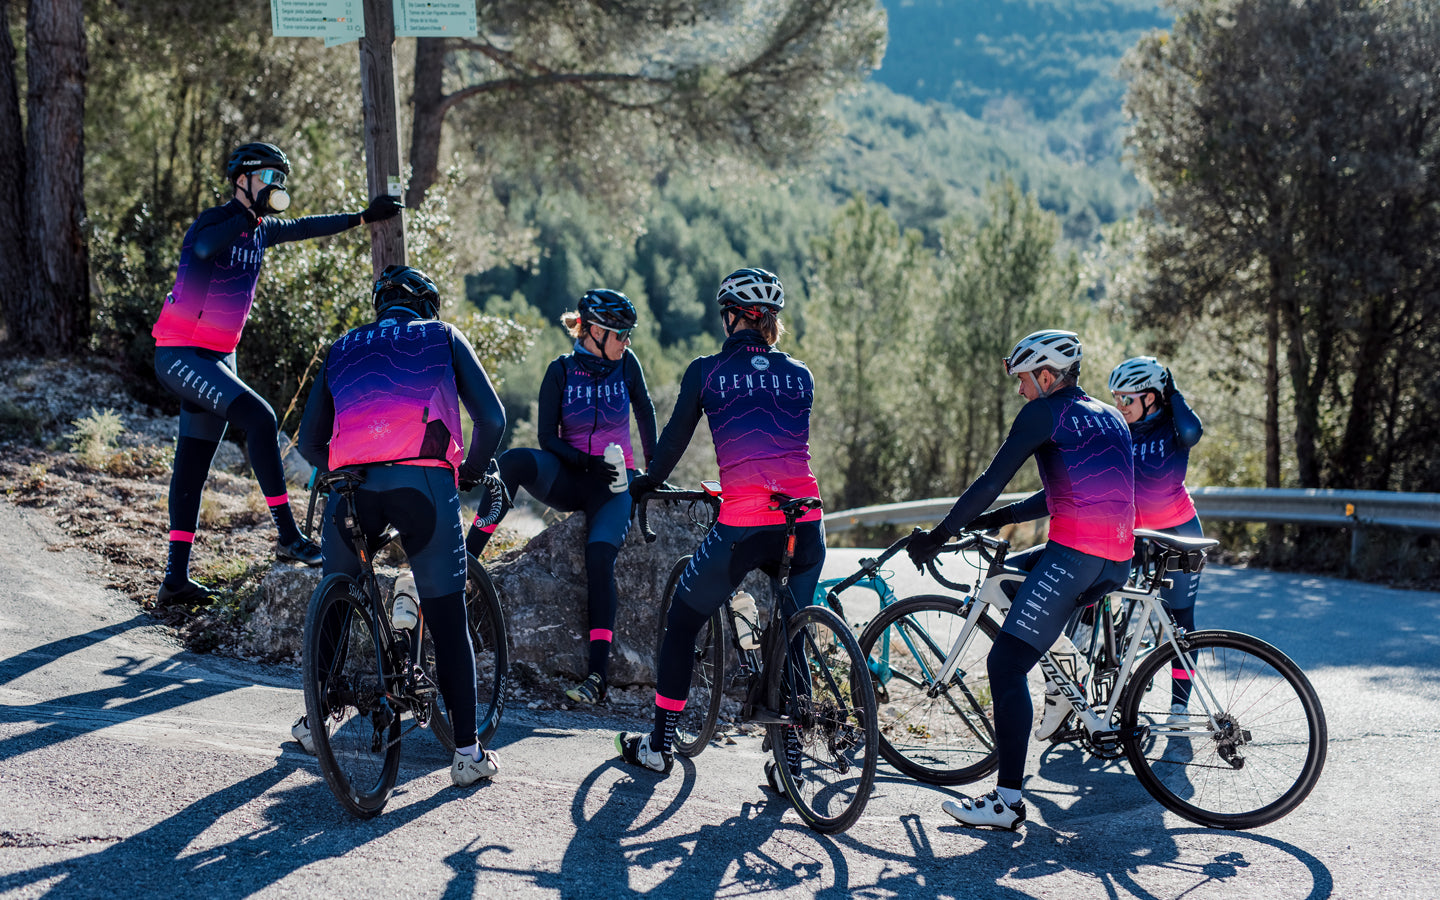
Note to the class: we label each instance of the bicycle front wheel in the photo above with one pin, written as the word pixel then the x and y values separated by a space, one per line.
pixel 1249 747
pixel 355 727
pixel 933 731
pixel 696 725
pixel 491 643
pixel 826 757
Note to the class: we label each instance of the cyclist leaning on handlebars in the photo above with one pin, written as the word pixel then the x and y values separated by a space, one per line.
pixel 757 401
pixel 388 401
pixel 1082 448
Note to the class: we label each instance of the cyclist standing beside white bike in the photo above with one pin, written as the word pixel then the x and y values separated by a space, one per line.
pixel 387 402
pixel 1163 428
pixel 757 401
pixel 1082 449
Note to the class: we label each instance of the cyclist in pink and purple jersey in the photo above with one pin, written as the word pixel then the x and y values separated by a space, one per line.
pixel 387 402
pixel 586 400
pixel 196 334
pixel 757 401
pixel 1163 428
pixel 1082 448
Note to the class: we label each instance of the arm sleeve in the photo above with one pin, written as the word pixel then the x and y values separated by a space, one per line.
pixel 1188 429
pixel 1031 428
pixel 547 417
pixel 641 405
pixel 681 427
pixel 281 231
pixel 318 422
pixel 481 401
pixel 220 232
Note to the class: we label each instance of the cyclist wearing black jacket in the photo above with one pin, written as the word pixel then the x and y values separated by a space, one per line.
pixel 388 402
pixel 196 334
pixel 586 401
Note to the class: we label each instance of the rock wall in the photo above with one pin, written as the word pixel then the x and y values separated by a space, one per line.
pixel 542 589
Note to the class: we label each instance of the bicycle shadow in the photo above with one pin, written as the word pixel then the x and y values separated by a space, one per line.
pixel 303 824
pixel 614 845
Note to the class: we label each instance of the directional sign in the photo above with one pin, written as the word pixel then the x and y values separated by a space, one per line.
pixel 435 18
pixel 316 18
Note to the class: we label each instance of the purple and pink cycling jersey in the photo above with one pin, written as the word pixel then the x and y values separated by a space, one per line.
pixel 757 401
pixel 1162 445
pixel 212 296
pixel 595 408
pixel 394 393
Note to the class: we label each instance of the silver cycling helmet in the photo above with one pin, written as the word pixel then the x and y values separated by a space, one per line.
pixel 1138 374
pixel 1058 350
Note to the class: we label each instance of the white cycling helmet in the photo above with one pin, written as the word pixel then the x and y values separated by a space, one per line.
pixel 1058 350
pixel 1137 374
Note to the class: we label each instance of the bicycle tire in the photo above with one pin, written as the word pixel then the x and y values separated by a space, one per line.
pixel 355 727
pixel 696 725
pixel 490 641
pixel 938 735
pixel 834 720
pixel 1261 761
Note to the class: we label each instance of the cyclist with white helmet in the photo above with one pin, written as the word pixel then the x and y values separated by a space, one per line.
pixel 757 401
pixel 1082 448
pixel 586 400
pixel 1163 428
pixel 195 338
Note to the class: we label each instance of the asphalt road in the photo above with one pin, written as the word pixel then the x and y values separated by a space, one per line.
pixel 129 767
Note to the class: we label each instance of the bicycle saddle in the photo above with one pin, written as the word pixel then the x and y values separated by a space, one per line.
pixel 789 504
pixel 1177 543
pixel 340 480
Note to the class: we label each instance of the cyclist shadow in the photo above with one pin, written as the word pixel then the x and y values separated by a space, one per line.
pixel 613 843
pixel 178 855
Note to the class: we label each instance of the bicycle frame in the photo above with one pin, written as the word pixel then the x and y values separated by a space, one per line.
pixel 1096 720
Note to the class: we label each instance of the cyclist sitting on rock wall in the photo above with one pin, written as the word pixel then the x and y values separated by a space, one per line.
pixel 195 338
pixel 1082 448
pixel 757 401
pixel 585 404
pixel 387 401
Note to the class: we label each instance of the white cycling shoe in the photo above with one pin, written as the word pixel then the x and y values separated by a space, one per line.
pixel 988 811
pixel 300 731
pixel 1179 715
pixel 465 769
pixel 1057 710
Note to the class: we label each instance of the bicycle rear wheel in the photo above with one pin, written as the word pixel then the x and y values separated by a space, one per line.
pixel 933 732
pixel 818 678
pixel 696 725
pixel 1252 744
pixel 355 727
pixel 490 641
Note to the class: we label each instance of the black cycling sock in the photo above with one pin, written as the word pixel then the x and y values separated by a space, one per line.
pixel 665 722
pixel 187 482
pixel 255 417
pixel 603 600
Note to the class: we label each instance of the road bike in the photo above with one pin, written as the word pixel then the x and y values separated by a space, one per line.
pixel 1247 750
pixel 803 678
pixel 363 676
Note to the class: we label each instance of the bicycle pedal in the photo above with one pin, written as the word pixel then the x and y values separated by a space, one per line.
pixel 765 716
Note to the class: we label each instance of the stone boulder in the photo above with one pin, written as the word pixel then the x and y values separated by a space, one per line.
pixel 542 588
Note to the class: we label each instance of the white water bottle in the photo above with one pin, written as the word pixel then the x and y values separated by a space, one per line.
pixel 743 614
pixel 616 457
pixel 405 611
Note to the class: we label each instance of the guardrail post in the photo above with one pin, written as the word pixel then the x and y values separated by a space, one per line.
pixel 1357 537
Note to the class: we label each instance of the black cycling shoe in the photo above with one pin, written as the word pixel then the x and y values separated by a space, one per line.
pixel 301 550
pixel 191 593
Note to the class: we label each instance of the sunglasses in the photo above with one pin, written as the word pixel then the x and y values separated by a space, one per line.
pixel 271 176
pixel 1124 400
pixel 621 333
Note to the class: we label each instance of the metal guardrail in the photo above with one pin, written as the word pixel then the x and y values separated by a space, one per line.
pixel 1350 509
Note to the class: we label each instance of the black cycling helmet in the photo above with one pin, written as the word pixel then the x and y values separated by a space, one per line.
pixel 607 308
pixel 407 287
pixel 255 156
pixel 754 291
